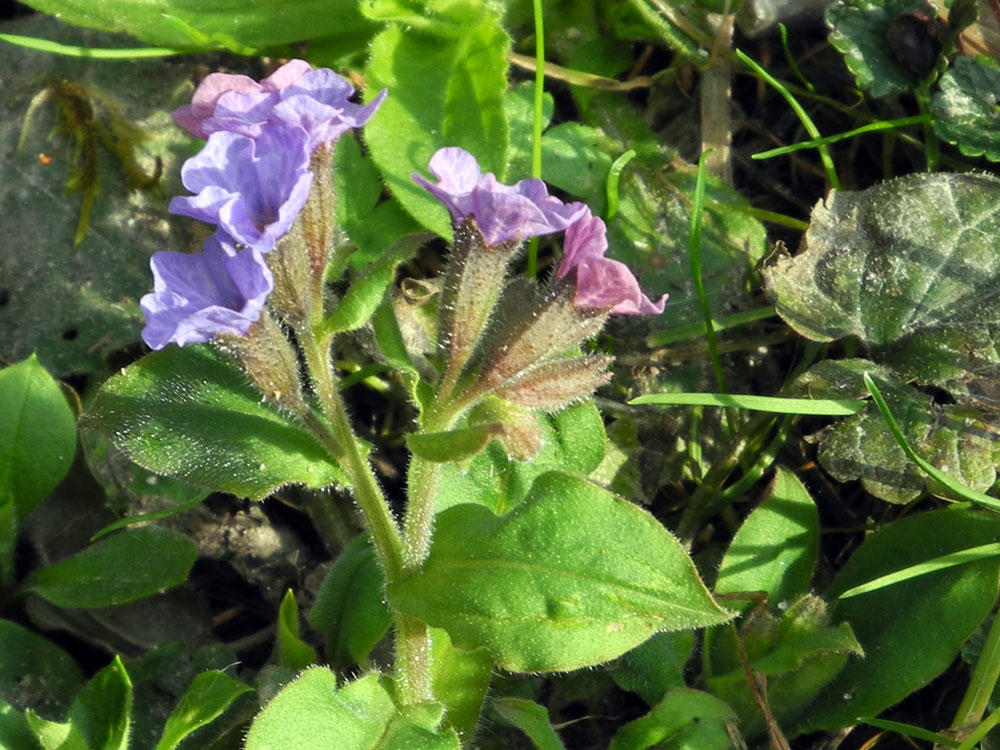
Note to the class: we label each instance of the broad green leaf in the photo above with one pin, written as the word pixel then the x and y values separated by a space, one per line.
pixel 60 301
pixel 54 735
pixel 910 267
pixel 15 733
pixel 683 719
pixel 215 23
pixel 858 29
pixel 370 225
pixel 350 609
pixel 208 696
pixel 574 440
pixel 368 289
pixel 103 709
pixel 446 91
pixel 532 719
pixel 117 569
pixel 578 158
pixel 34 672
pixel 37 434
pixel 312 713
pixel 293 653
pixel 190 414
pixel 958 440
pixel 572 577
pixel 913 630
pixel 964 107
pixel 776 547
pixel 519 109
pixel 460 679
pixel 655 667
pixel 798 654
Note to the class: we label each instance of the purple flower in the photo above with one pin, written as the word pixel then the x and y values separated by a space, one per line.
pixel 502 212
pixel 197 296
pixel 192 116
pixel 317 102
pixel 600 281
pixel 252 188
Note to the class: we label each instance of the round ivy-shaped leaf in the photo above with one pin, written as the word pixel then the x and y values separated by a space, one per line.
pixel 911 268
pixel 858 29
pixel 965 107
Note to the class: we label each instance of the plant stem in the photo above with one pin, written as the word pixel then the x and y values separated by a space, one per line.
pixel 984 679
pixel 413 679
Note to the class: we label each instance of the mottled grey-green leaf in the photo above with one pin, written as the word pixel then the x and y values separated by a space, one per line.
pixel 959 440
pixel 965 106
pixel 912 268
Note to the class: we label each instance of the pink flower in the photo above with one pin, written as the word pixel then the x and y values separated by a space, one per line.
pixel 600 281
pixel 211 89
pixel 502 212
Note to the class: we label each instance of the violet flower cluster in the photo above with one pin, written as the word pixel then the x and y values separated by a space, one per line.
pixel 250 180
pixel 504 213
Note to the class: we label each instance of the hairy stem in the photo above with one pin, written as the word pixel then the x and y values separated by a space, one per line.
pixel 413 682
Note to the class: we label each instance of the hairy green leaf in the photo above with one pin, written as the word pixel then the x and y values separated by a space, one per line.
pixel 188 413
pixel 446 91
pixel 573 576
pixel 37 434
pixel 776 547
pixel 206 698
pixel 118 569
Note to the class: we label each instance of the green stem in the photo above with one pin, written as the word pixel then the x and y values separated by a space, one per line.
pixel 983 681
pixel 413 677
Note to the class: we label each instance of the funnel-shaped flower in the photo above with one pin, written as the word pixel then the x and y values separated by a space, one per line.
pixel 502 212
pixel 252 188
pixel 197 296
pixel 317 102
pixel 601 282
pixel 191 117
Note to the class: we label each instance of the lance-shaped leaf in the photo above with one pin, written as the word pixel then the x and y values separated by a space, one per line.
pixel 116 570
pixel 910 267
pixel 189 414
pixel 574 576
pixel 37 434
pixel 208 696
pixel 911 631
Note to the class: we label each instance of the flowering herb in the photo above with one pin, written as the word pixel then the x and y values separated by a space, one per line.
pixel 200 295
pixel 509 348
pixel 502 212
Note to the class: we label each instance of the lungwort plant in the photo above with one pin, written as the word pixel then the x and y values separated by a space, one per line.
pixel 241 395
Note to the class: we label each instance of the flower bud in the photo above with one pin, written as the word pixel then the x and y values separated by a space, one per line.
pixel 517 428
pixel 269 359
pixel 546 330
pixel 558 384
pixel 473 281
